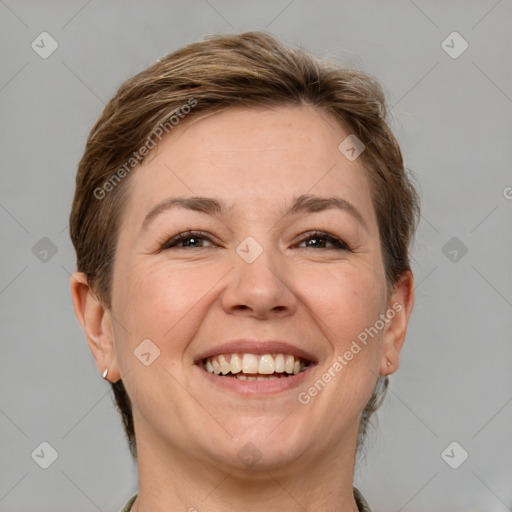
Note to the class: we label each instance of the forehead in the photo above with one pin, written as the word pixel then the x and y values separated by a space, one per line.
pixel 259 157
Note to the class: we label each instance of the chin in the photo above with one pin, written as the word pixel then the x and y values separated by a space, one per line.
pixel 263 444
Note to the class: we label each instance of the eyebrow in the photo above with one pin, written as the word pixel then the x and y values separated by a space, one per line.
pixel 305 203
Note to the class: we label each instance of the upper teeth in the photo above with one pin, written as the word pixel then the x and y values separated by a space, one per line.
pixel 265 364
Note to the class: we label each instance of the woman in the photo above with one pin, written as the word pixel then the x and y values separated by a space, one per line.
pixel 242 221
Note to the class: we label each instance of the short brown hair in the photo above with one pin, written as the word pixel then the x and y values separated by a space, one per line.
pixel 251 70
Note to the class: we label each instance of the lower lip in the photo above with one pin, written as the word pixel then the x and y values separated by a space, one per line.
pixel 256 387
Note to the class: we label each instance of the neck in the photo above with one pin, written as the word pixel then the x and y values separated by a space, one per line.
pixel 170 479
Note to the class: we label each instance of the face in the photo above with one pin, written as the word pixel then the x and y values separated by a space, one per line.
pixel 253 297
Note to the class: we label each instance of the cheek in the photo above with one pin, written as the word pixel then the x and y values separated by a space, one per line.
pixel 345 299
pixel 162 302
pixel 346 302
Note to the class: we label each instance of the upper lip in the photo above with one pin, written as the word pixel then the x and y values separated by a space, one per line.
pixel 258 347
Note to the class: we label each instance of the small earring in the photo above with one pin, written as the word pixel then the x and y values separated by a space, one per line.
pixel 104 375
pixel 389 363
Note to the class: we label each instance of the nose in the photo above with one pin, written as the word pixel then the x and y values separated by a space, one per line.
pixel 261 289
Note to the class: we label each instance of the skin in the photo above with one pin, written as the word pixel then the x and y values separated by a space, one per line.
pixel 189 298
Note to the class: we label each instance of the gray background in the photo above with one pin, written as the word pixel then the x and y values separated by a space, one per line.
pixel 452 118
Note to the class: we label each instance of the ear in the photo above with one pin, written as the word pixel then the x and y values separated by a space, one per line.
pixel 400 307
pixel 96 322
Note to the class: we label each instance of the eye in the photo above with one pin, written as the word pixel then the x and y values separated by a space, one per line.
pixel 321 240
pixel 187 239
pixel 198 239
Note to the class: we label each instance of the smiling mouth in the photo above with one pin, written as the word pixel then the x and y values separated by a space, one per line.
pixel 255 367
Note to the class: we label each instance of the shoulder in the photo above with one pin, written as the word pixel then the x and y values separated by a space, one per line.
pixel 362 504
pixel 129 504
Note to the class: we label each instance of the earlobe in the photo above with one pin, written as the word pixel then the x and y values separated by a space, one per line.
pixel 399 311
pixel 95 320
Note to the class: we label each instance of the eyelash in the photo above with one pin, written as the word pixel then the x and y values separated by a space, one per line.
pixel 337 243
